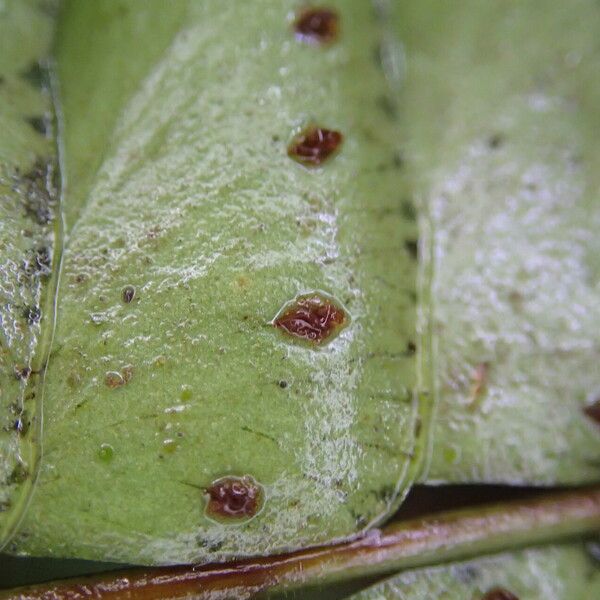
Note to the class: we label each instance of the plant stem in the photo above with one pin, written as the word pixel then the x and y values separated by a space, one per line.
pixel 429 540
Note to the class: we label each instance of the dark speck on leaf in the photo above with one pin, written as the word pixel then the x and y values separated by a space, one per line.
pixel 495 141
pixel 22 372
pixel 412 247
pixel 592 411
pixel 282 384
pixel 21 425
pixel 32 314
pixel 39 124
pixel 316 25
pixel 210 545
pixel 128 294
pixel 411 347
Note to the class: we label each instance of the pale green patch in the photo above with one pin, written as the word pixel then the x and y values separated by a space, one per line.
pixel 502 101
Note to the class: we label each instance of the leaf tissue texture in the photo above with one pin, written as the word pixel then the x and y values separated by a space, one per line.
pixel 502 104
pixel 171 390
pixel 28 209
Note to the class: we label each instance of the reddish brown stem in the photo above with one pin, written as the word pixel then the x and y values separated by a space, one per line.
pixel 439 538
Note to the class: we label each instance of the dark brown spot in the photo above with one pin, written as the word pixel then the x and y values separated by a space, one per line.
pixel 314 145
pixel 282 384
pixel 495 141
pixel 499 594
pixel 311 317
pixel 128 294
pixel 32 314
pixel 316 25
pixel 22 372
pixel 411 348
pixel 234 498
pixel 412 247
pixel 592 411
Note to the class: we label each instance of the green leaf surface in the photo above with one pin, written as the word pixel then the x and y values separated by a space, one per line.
pixel 28 198
pixel 190 199
pixel 502 104
pixel 560 572
pixel 189 230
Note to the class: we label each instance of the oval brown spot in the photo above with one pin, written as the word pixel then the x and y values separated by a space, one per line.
pixel 113 379
pixel 314 145
pixel 592 411
pixel 499 594
pixel 316 25
pixel 313 317
pixel 128 294
pixel 234 498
